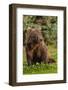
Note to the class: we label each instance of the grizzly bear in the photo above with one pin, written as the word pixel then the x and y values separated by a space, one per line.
pixel 36 49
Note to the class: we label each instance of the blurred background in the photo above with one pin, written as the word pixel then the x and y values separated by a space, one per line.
pixel 48 25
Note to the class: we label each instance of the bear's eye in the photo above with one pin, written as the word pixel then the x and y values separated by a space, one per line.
pixel 40 39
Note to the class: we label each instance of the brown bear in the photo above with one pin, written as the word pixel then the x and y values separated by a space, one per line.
pixel 36 49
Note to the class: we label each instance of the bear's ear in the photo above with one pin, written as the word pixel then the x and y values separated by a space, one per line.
pixel 29 29
pixel 40 32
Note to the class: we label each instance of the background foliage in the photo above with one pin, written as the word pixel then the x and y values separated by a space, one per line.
pixel 48 25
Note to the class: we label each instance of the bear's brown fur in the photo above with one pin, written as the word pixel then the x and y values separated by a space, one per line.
pixel 36 50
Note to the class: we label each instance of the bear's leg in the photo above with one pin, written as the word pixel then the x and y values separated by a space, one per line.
pixel 29 62
pixel 29 58
pixel 45 59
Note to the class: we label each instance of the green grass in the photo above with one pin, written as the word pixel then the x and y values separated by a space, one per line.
pixel 43 68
